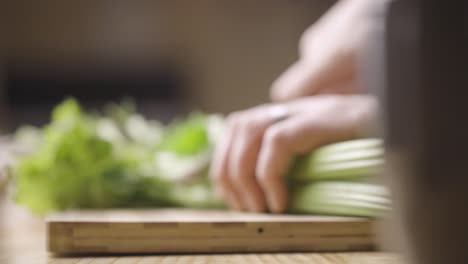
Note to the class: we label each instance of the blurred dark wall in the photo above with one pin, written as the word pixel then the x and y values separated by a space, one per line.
pixel 172 56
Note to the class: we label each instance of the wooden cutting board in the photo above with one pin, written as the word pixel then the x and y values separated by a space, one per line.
pixel 208 231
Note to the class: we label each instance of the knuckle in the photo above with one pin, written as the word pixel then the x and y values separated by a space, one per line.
pixel 240 180
pixel 262 174
pixel 277 91
pixel 306 41
pixel 219 179
pixel 238 176
pixel 242 167
pixel 274 137
pixel 250 129
pixel 250 126
pixel 242 172
pixel 263 177
pixel 234 118
pixel 238 164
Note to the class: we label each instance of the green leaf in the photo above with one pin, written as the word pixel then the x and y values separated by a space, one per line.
pixel 75 168
pixel 186 137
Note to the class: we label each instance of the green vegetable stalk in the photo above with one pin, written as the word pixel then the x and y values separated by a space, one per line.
pixel 351 160
pixel 121 159
pixel 340 198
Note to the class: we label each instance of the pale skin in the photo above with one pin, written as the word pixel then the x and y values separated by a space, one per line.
pixel 321 91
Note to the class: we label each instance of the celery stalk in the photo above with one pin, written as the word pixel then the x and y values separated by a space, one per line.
pixel 340 198
pixel 343 170
pixel 358 154
pixel 350 160
pixel 350 145
pixel 340 210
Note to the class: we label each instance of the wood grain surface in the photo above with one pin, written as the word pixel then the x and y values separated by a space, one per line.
pixel 23 236
pixel 278 258
pixel 330 258
pixel 203 231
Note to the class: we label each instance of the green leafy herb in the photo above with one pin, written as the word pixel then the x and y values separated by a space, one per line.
pixel 122 159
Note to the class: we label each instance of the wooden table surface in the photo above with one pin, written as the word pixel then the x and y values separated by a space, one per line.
pixel 22 241
pixel 329 258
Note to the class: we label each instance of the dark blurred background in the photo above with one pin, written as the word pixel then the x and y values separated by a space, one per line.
pixel 170 56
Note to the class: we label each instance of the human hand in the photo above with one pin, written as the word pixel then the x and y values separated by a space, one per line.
pixel 252 158
pixel 329 52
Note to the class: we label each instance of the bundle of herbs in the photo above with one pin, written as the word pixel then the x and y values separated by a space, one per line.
pixel 121 159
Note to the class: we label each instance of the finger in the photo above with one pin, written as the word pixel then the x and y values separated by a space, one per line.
pixel 219 171
pixel 243 161
pixel 306 78
pixel 270 179
pixel 328 54
pixel 281 142
pixel 345 88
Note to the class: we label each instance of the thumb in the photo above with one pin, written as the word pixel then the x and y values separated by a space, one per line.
pixel 335 75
